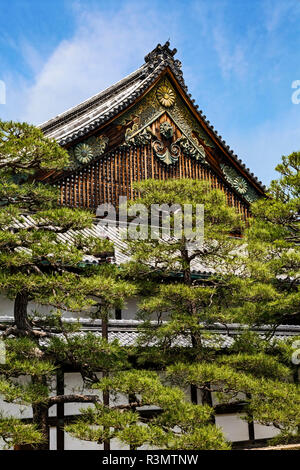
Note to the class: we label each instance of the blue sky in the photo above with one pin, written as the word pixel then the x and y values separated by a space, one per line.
pixel 239 59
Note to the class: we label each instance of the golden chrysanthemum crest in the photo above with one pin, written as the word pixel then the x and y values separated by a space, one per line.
pixel 165 95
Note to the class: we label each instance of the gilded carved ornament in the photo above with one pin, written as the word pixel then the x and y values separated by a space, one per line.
pixel 83 153
pixel 88 150
pixel 168 155
pixel 150 108
pixel 239 183
pixel 165 95
pixel 166 130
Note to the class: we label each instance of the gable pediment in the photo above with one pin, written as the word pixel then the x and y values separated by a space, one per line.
pixel 150 110
pixel 163 119
pixel 135 126
pixel 163 98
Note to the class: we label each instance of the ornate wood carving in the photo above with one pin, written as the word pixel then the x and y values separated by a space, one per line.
pixel 86 151
pixel 151 108
pixel 167 153
pixel 112 175
pixel 158 138
pixel 239 183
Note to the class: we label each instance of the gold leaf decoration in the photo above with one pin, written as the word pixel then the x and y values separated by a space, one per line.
pixel 83 153
pixel 165 95
pixel 150 107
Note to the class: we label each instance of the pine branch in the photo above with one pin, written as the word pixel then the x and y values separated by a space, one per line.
pixel 73 398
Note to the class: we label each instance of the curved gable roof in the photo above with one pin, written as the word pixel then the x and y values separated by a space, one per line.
pixel 103 107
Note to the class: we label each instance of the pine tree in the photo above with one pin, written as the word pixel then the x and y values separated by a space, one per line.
pixel 37 265
pixel 190 283
pixel 235 290
pixel 273 241
pixel 239 274
pixel 176 424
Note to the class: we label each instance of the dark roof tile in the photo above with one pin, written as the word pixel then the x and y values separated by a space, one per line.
pixel 100 108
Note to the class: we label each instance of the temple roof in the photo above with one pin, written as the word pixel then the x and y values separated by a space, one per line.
pixel 101 108
pixel 112 232
pixel 90 114
pixel 127 331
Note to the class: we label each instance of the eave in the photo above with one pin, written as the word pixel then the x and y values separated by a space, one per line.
pixel 151 74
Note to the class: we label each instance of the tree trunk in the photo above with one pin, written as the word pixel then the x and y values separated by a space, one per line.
pixel 106 443
pixel 20 311
pixel 40 418
pixel 104 327
pixel 187 275
pixel 207 400
pixel 187 278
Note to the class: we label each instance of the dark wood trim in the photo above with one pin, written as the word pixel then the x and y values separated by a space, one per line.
pixel 118 314
pixel 60 434
pixel 61 419
pixel 194 394
pixel 251 430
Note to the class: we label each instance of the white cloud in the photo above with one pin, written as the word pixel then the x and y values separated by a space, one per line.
pixel 103 50
pixel 232 56
pixel 277 12
pixel 107 46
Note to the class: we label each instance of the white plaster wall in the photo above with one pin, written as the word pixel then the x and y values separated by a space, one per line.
pixel 17 411
pixel 262 432
pixel 129 311
pixel 233 427
pixel 52 438
pixel 72 443
pixel 23 411
pixel 131 307
pixel 75 444
pixel 74 384
pixel 3 445
pixel 7 309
